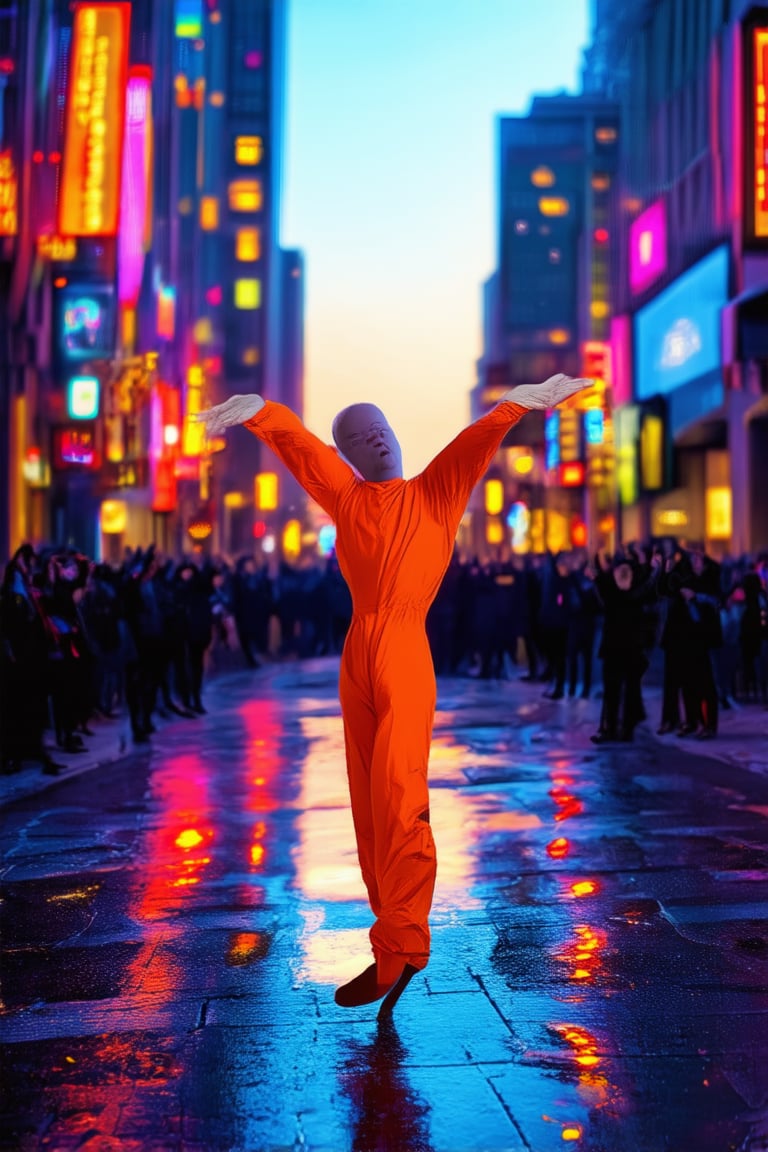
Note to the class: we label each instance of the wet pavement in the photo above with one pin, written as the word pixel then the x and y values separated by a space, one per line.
pixel 174 923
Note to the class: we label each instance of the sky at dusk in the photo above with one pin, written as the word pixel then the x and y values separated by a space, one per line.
pixel 390 191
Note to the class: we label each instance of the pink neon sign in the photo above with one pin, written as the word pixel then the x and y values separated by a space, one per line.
pixel 621 358
pixel 135 186
pixel 648 246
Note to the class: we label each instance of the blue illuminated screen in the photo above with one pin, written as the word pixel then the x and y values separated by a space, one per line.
pixel 552 440
pixel 677 335
pixel 86 320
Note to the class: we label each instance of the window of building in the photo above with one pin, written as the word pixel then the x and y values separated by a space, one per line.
pixel 247 294
pixel 542 177
pixel 209 213
pixel 554 206
pixel 248 149
pixel 247 244
pixel 245 195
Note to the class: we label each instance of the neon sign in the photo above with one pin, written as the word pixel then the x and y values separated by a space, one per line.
pixel 94 122
pixel 189 19
pixel 135 186
pixel 83 397
pixel 82 321
pixel 56 247
pixel 75 447
pixel 9 220
pixel 760 110
pixel 572 474
pixel 648 246
pixel 552 440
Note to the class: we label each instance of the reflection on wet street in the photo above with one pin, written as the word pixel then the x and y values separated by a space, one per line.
pixel 174 925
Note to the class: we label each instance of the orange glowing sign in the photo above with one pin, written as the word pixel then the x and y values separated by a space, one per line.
pixel 56 247
pixel 9 220
pixel 572 474
pixel 95 121
pixel 760 111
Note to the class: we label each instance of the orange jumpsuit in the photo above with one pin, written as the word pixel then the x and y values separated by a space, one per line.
pixel 394 541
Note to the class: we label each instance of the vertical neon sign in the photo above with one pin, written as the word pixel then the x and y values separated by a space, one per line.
pixel 95 119
pixel 135 184
pixel 760 108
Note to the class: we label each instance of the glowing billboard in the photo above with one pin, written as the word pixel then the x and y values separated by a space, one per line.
pixel 648 247
pixel 9 221
pixel 135 184
pixel 677 335
pixel 760 141
pixel 85 322
pixel 89 198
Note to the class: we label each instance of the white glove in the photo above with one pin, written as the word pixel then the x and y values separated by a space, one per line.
pixel 236 410
pixel 549 394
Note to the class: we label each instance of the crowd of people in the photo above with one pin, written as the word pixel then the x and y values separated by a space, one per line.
pixel 81 640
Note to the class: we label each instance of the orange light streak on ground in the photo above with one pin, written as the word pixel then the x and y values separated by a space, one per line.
pixel 568 805
pixel 585 888
pixel 558 848
pixel 174 868
pixel 583 1043
pixel 183 824
pixel 583 954
pixel 246 947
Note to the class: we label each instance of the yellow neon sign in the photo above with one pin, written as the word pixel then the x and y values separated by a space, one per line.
pixel 95 121
pixel 9 220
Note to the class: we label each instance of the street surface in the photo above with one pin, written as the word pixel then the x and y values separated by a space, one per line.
pixel 174 924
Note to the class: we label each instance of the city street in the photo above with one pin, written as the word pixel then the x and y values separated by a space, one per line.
pixel 174 924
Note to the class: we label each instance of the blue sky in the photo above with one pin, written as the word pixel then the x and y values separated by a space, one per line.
pixel 390 190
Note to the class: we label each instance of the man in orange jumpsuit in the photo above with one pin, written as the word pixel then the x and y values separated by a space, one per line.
pixel 394 541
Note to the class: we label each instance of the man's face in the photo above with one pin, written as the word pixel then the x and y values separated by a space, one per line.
pixel 366 440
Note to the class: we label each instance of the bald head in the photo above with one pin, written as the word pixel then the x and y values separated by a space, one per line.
pixel 363 436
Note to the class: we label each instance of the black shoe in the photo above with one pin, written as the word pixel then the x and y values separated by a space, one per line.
pixel 364 989
pixel 603 738
pixel 140 736
pixel 686 730
pixel 553 695
pixel 199 709
pixel 74 744
pixel 664 728
pixel 626 737
pixel 51 768
pixel 706 734
pixel 11 766
pixel 86 731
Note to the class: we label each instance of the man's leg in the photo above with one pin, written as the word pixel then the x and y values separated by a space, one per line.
pixel 359 736
pixel 405 855
pixel 387 754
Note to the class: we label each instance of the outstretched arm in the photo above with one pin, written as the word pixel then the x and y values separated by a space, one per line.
pixel 318 468
pixel 454 472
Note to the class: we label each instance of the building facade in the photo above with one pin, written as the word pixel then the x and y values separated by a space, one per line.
pixel 142 271
pixel 689 332
pixel 547 310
